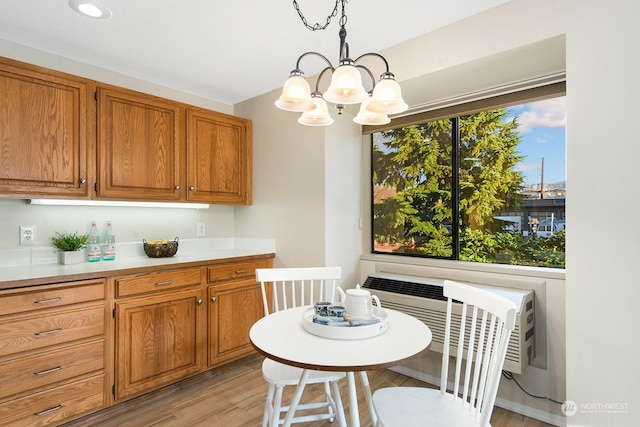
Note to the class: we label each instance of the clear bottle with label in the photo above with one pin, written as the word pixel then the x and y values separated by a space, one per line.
pixel 93 247
pixel 109 243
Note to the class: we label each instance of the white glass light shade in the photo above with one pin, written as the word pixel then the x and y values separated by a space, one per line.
pixel 367 117
pixel 346 86
pixel 296 95
pixel 387 98
pixel 319 116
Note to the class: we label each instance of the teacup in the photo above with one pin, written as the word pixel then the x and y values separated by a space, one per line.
pixel 321 308
pixel 336 311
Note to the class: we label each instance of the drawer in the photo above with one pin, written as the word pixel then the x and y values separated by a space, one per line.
pixel 236 270
pixel 29 333
pixel 134 285
pixel 54 405
pixel 49 367
pixel 46 297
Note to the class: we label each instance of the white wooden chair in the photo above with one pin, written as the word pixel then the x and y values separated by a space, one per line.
pixel 483 322
pixel 294 287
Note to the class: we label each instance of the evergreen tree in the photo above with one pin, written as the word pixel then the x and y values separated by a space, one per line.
pixel 413 178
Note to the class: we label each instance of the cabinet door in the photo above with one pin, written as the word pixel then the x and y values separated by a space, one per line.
pixel 140 146
pixel 233 309
pixel 43 132
pixel 219 158
pixel 159 340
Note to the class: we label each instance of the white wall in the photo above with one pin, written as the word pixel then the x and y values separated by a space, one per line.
pixel 130 224
pixel 603 94
pixel 306 188
pixel 33 56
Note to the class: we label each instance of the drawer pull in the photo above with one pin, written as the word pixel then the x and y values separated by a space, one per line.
pixel 47 411
pixel 241 271
pixel 48 371
pixel 165 283
pixel 43 334
pixel 47 301
pixel 214 299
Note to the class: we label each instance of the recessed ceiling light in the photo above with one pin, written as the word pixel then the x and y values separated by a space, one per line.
pixel 90 8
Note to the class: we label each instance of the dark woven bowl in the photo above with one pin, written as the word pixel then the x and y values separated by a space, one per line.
pixel 160 250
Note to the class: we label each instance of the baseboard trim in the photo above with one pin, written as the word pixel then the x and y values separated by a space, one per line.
pixel 518 408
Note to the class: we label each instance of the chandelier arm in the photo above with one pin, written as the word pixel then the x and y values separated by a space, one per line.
pixel 386 64
pixel 320 76
pixel 313 53
pixel 373 80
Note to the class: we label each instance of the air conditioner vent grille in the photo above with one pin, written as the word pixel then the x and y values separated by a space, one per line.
pixel 423 298
pixel 422 290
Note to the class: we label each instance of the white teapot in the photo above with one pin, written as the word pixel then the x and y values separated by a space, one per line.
pixel 359 302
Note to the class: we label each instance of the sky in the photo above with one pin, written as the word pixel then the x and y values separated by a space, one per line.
pixel 542 128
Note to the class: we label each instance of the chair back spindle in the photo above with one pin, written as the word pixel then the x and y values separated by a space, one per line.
pixel 294 287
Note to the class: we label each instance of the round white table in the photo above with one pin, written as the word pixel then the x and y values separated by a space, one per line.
pixel 280 336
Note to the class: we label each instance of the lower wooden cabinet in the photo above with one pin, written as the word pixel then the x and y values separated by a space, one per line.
pixel 233 309
pixel 235 304
pixel 53 406
pixel 52 352
pixel 159 340
pixel 70 349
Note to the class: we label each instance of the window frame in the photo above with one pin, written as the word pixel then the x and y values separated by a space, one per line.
pixel 453 113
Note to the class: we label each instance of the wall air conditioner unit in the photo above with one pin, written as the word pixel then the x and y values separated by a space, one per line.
pixel 423 299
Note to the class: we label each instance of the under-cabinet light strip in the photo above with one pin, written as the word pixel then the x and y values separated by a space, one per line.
pixel 63 202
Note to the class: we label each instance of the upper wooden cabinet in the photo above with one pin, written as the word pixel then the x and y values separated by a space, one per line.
pixel 218 157
pixel 44 149
pixel 67 137
pixel 140 146
pixel 150 148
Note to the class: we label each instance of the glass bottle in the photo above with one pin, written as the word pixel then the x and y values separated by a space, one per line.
pixel 109 243
pixel 93 247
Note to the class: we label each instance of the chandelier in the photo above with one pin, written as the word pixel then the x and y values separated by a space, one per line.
pixel 346 86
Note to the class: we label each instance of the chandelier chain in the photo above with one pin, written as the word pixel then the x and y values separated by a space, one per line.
pixel 317 26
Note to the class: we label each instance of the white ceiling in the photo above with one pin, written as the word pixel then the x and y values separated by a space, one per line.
pixel 228 51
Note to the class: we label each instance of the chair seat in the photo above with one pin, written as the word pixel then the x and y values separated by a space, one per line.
pixel 279 373
pixel 420 407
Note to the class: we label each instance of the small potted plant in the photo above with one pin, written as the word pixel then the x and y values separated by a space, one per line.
pixel 70 246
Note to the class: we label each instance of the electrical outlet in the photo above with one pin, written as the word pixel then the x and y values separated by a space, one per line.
pixel 201 229
pixel 27 234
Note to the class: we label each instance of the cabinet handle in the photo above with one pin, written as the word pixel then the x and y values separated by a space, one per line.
pixel 46 301
pixel 42 334
pixel 214 299
pixel 48 371
pixel 200 301
pixel 83 180
pixel 192 188
pixel 177 187
pixel 47 411
pixel 165 283
pixel 241 271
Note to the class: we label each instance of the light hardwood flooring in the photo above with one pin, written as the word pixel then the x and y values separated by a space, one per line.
pixel 233 396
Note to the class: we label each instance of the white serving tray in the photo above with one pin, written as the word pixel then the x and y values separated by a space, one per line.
pixel 346 332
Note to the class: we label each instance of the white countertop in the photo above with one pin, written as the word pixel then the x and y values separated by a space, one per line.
pixel 132 257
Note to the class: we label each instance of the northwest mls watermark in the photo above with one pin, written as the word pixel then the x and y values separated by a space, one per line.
pixel 569 408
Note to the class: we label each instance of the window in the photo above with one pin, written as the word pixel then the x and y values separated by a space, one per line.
pixel 505 204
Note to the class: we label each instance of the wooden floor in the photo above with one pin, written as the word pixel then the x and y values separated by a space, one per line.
pixel 234 397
